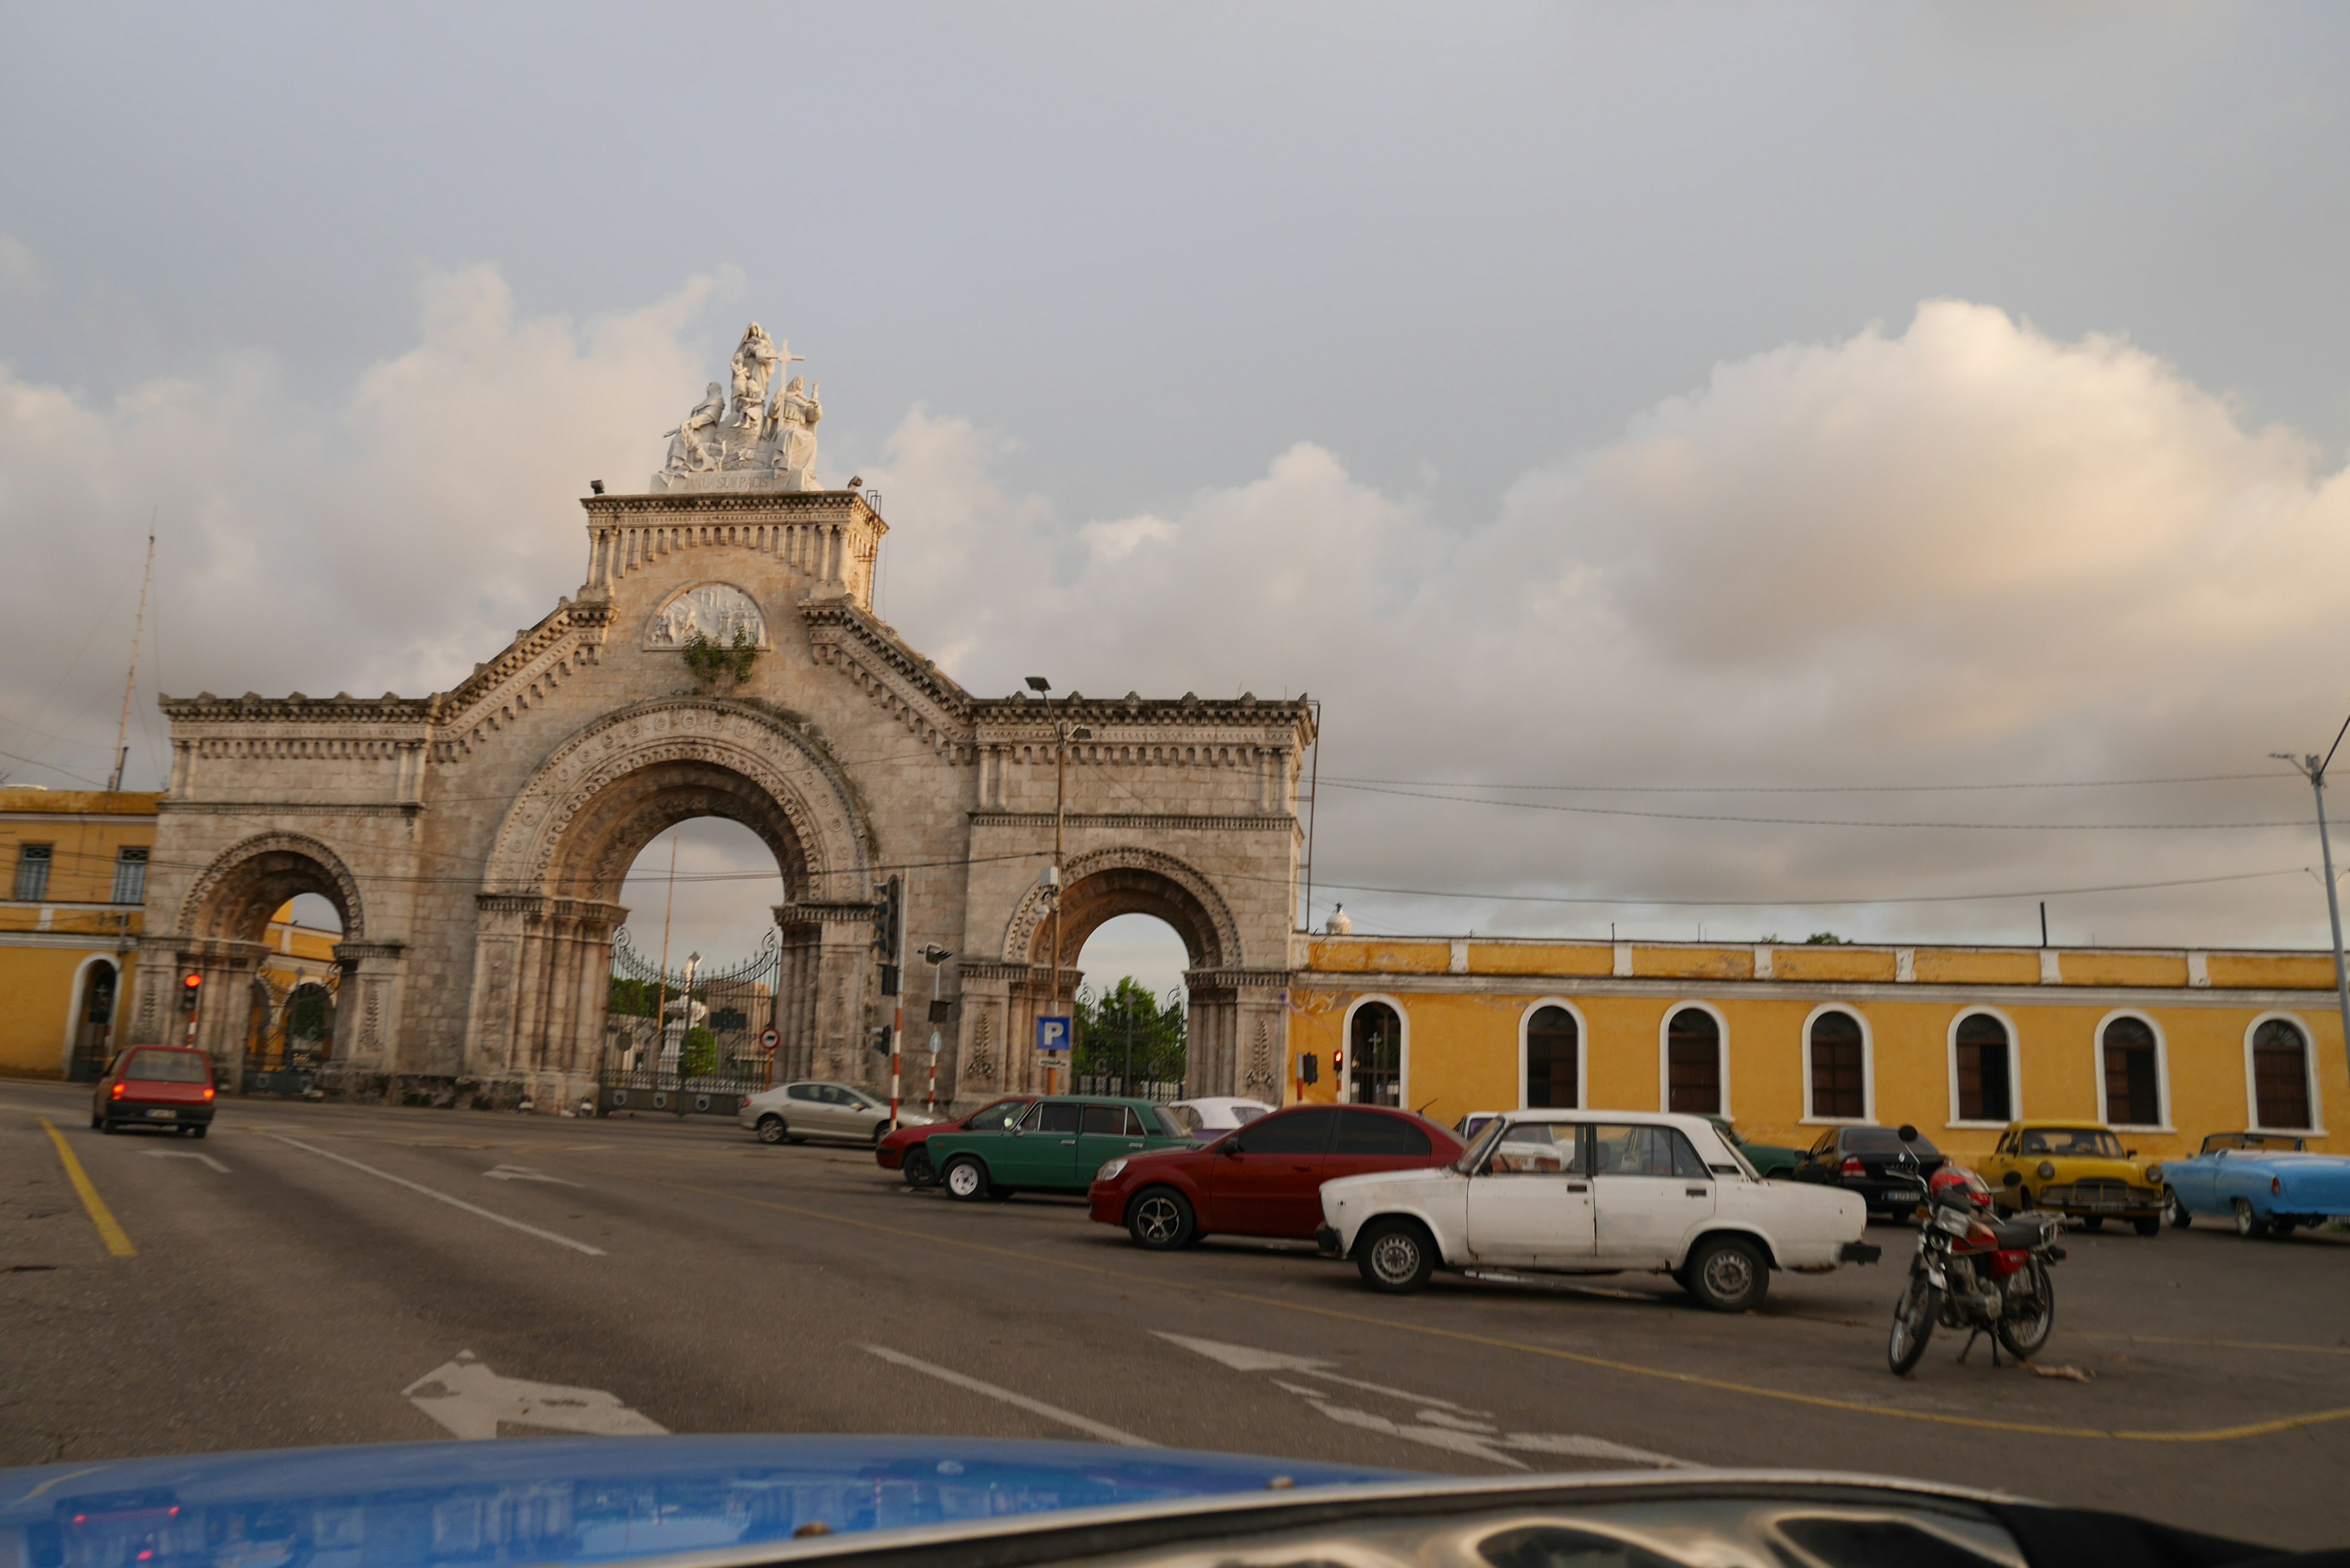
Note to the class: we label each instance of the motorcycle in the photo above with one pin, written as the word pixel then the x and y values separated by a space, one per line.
pixel 1974 1271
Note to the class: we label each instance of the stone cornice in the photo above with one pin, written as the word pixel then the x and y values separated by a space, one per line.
pixel 372 716
pixel 990 968
pixel 358 953
pixel 1269 822
pixel 1237 978
pixel 911 688
pixel 520 676
pixel 781 505
pixel 293 807
pixel 1012 719
pixel 821 913
pixel 1530 986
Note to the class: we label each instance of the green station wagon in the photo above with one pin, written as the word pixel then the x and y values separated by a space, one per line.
pixel 1056 1147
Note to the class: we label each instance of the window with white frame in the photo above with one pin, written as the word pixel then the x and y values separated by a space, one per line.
pixel 1552 1048
pixel 2133 1073
pixel 33 872
pixel 1693 1062
pixel 1986 1092
pixel 2280 1075
pixel 1839 1072
pixel 130 876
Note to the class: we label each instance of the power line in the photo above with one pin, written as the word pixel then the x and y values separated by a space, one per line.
pixel 1815 821
pixel 1805 903
pixel 1808 789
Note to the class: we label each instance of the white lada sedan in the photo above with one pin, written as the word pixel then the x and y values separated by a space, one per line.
pixel 1590 1192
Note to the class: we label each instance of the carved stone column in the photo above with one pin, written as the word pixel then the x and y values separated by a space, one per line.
pixel 367 1017
pixel 984 1062
pixel 504 928
pixel 1238 1032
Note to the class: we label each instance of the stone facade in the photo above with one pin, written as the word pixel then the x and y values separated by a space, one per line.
pixel 475 841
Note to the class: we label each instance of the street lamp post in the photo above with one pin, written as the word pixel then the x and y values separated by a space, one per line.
pixel 936 957
pixel 1063 732
pixel 2313 768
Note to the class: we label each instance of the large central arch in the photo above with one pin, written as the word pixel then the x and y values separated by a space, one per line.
pixel 542 947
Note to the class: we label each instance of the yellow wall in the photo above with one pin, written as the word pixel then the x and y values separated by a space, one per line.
pixel 1462 1030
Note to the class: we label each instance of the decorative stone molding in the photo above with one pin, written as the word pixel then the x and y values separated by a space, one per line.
pixel 907 687
pixel 989 968
pixel 361 953
pixel 814 913
pixel 348 808
pixel 1145 821
pixel 237 856
pixel 1236 978
pixel 714 609
pixel 1223 931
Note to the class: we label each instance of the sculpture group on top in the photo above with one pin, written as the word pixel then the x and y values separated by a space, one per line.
pixel 758 444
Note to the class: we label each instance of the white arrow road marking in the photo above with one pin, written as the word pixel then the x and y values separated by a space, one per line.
pixel 1440 1423
pixel 185 1154
pixel 444 1198
pixel 524 1173
pixel 1035 1406
pixel 471 1400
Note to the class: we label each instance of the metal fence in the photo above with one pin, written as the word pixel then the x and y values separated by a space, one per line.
pixel 1140 1089
pixel 686 1040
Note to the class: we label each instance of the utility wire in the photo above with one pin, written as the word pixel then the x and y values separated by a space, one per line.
pixel 1807 789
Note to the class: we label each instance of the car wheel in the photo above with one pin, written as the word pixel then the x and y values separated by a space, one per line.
pixel 2175 1211
pixel 2280 1230
pixel 2094 1223
pixel 106 1125
pixel 1160 1219
pixel 772 1128
pixel 1727 1273
pixel 197 1132
pixel 2023 1198
pixel 2147 1225
pixel 966 1179
pixel 917 1168
pixel 881 1131
pixel 2247 1222
pixel 1395 1255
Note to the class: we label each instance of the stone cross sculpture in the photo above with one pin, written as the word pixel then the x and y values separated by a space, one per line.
pixel 762 445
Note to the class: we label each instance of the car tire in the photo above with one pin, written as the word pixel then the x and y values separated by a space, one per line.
pixel 917 1168
pixel 881 1131
pixel 2147 1225
pixel 2174 1210
pixel 1395 1255
pixel 96 1121
pixel 106 1125
pixel 1727 1273
pixel 772 1129
pixel 2249 1224
pixel 966 1180
pixel 198 1131
pixel 1160 1219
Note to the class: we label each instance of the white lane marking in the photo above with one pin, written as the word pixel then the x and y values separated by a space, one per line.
pixel 468 1399
pixel 444 1198
pixel 185 1154
pixel 524 1173
pixel 59 1480
pixel 1438 1423
pixel 1035 1406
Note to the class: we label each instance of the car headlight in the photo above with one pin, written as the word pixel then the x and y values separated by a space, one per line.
pixel 2154 1173
pixel 1110 1172
pixel 2046 1170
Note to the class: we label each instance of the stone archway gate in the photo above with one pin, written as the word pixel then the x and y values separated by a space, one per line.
pixel 475 840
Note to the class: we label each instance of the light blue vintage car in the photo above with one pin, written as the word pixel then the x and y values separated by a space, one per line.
pixel 2265 1182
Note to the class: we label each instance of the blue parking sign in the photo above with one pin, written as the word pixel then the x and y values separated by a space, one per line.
pixel 1052 1035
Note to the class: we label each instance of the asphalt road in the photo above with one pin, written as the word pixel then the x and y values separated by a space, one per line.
pixel 336 1274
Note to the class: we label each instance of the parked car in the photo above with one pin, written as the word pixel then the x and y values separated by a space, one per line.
pixel 1586 1192
pixel 2265 1183
pixel 813 1108
pixel 1263 1180
pixel 1211 1118
pixel 1768 1159
pixel 167 1086
pixel 1055 1146
pixel 907 1148
pixel 1467 1129
pixel 1867 1161
pixel 2078 1168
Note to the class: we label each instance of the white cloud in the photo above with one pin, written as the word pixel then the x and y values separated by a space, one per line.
pixel 1964 552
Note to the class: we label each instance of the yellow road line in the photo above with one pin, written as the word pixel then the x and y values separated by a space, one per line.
pixel 2220 1344
pixel 99 1215
pixel 1698 1380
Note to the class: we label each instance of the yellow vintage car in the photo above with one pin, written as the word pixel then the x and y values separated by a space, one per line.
pixel 2075 1167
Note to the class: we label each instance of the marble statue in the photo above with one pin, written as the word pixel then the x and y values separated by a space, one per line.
pixel 755 358
pixel 686 454
pixel 792 421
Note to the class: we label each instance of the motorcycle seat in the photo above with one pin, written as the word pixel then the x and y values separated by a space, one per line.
pixel 2019 1233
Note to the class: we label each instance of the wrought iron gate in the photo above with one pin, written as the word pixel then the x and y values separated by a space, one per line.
pixel 291 1032
pixel 687 1041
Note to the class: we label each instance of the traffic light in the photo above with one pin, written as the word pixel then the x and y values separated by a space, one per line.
pixel 881 1040
pixel 1337 1063
pixel 192 984
pixel 887 918
pixel 1309 1070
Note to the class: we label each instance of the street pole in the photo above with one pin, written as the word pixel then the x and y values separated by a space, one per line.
pixel 898 1018
pixel 1126 1080
pixel 1060 825
pixel 2313 768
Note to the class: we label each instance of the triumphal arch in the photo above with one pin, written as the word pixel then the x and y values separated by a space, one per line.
pixel 721 657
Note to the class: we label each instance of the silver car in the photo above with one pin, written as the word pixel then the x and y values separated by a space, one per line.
pixel 791 1112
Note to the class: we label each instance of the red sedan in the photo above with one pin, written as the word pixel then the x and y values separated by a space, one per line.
pixel 903 1151
pixel 1264 1180
pixel 167 1086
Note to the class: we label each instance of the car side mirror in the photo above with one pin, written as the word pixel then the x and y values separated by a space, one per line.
pixel 2129 1154
pixel 2012 1178
pixel 1906 1133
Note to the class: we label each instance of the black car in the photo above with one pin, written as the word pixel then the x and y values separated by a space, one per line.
pixel 1869 1160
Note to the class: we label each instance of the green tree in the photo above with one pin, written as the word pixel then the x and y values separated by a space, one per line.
pixel 697 1057
pixel 1106 1020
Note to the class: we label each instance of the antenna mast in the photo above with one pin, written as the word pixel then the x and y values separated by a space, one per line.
pixel 138 629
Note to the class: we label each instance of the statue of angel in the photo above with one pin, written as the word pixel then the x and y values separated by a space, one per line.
pixel 794 418
pixel 686 452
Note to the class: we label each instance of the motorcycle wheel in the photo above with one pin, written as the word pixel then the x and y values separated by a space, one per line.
pixel 2024 1335
pixel 1913 1323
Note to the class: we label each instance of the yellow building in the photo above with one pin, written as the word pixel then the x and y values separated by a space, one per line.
pixel 1790 1040
pixel 75 864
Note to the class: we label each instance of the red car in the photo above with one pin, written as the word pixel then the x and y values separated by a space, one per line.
pixel 1263 1180
pixel 903 1151
pixel 167 1086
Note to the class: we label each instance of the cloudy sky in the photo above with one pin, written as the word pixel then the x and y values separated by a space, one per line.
pixel 1716 446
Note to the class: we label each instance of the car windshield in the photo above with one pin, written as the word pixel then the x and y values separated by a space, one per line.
pixel 1244 1115
pixel 995 1117
pixel 1184 1118
pixel 165 1067
pixel 2091 1142
pixel 1479 1145
pixel 1886 1140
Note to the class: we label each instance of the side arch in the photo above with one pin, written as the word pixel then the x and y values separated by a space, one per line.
pixel 252 877
pixel 1127 880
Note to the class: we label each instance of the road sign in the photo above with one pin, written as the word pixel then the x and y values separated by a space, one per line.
pixel 934 1042
pixel 769 1039
pixel 1053 1035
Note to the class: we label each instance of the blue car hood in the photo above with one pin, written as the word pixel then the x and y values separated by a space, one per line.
pixel 573 1499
